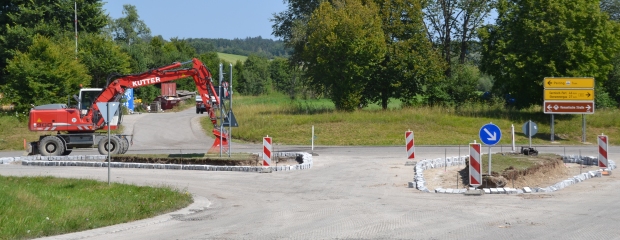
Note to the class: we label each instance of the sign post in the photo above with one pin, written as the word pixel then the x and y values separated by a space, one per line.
pixel 105 108
pixel 490 135
pixel 568 96
pixel 530 129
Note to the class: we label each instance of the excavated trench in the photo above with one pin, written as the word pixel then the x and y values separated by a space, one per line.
pixel 251 160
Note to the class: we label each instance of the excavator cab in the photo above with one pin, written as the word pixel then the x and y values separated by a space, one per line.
pixel 86 99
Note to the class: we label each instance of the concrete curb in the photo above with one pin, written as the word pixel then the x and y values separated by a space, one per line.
pixel 91 161
pixel 420 184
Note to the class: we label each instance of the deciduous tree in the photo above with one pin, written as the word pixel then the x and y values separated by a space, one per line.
pixel 345 45
pixel 533 39
pixel 46 73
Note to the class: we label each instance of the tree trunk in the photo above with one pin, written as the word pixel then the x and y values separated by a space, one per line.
pixel 464 39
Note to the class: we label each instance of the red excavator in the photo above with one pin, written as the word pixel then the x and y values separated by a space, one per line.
pixel 76 126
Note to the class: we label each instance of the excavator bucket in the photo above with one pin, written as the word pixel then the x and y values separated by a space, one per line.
pixel 221 142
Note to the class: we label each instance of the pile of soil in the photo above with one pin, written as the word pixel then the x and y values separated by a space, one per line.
pixel 547 171
pixel 252 160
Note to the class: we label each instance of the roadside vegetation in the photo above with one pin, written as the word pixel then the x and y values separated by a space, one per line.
pixel 290 122
pixel 33 207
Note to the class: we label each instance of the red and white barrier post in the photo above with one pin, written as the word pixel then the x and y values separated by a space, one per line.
pixel 267 149
pixel 602 151
pixel 410 145
pixel 475 166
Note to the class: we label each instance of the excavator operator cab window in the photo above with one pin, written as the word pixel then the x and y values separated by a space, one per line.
pixel 87 98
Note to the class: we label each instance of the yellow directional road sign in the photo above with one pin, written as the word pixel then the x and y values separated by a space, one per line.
pixel 568 83
pixel 569 94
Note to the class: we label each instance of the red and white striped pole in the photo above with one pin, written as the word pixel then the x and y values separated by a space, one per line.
pixel 602 151
pixel 475 168
pixel 267 149
pixel 410 145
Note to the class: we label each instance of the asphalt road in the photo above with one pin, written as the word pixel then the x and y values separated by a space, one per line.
pixel 350 193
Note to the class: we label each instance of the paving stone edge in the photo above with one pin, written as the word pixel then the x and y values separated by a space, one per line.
pixel 420 184
pixel 97 161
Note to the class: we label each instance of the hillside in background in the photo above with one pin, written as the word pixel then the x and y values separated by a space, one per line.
pixel 231 58
pixel 257 45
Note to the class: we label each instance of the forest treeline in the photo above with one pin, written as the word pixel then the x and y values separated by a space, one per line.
pixel 259 46
pixel 354 52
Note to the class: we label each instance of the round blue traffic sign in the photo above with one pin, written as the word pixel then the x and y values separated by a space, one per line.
pixel 490 134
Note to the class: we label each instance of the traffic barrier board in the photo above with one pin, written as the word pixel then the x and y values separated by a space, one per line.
pixel 410 145
pixel 602 151
pixel 568 83
pixel 267 150
pixel 475 165
pixel 554 107
pixel 569 94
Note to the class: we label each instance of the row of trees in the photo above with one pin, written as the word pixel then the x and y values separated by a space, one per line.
pixel 440 52
pixel 355 52
pixel 39 63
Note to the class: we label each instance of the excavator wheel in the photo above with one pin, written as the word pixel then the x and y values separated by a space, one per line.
pixel 124 144
pixel 114 147
pixel 67 152
pixel 51 146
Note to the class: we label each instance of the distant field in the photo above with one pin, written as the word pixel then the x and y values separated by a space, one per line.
pixel 232 58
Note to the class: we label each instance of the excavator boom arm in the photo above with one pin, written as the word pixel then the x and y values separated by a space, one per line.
pixel 199 72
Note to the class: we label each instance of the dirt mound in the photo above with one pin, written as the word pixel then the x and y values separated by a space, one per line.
pixel 251 160
pixel 547 171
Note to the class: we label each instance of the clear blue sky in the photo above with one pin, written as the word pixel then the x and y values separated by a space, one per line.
pixel 227 19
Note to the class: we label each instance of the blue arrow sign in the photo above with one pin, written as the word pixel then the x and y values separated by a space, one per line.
pixel 490 134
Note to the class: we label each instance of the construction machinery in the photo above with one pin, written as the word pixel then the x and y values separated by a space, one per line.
pixel 76 126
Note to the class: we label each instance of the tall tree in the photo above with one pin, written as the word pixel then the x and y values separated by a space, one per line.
pixel 129 28
pixel 255 78
pixel 533 39
pixel 46 73
pixel 345 44
pixel 102 57
pixel 410 62
pixel 291 26
pixel 20 20
pixel 455 19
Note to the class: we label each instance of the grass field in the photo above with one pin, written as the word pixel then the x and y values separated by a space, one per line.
pixel 290 122
pixel 231 58
pixel 32 207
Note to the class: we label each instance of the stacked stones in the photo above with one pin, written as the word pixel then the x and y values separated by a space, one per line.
pixel 420 184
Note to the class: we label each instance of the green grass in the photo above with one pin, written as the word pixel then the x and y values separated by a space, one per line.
pixel 32 207
pixel 231 58
pixel 500 162
pixel 13 131
pixel 290 122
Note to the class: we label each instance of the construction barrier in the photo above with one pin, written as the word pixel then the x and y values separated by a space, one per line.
pixel 410 145
pixel 475 168
pixel 267 150
pixel 602 151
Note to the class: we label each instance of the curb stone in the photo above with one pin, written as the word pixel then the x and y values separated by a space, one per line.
pixel 419 182
pixel 85 161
